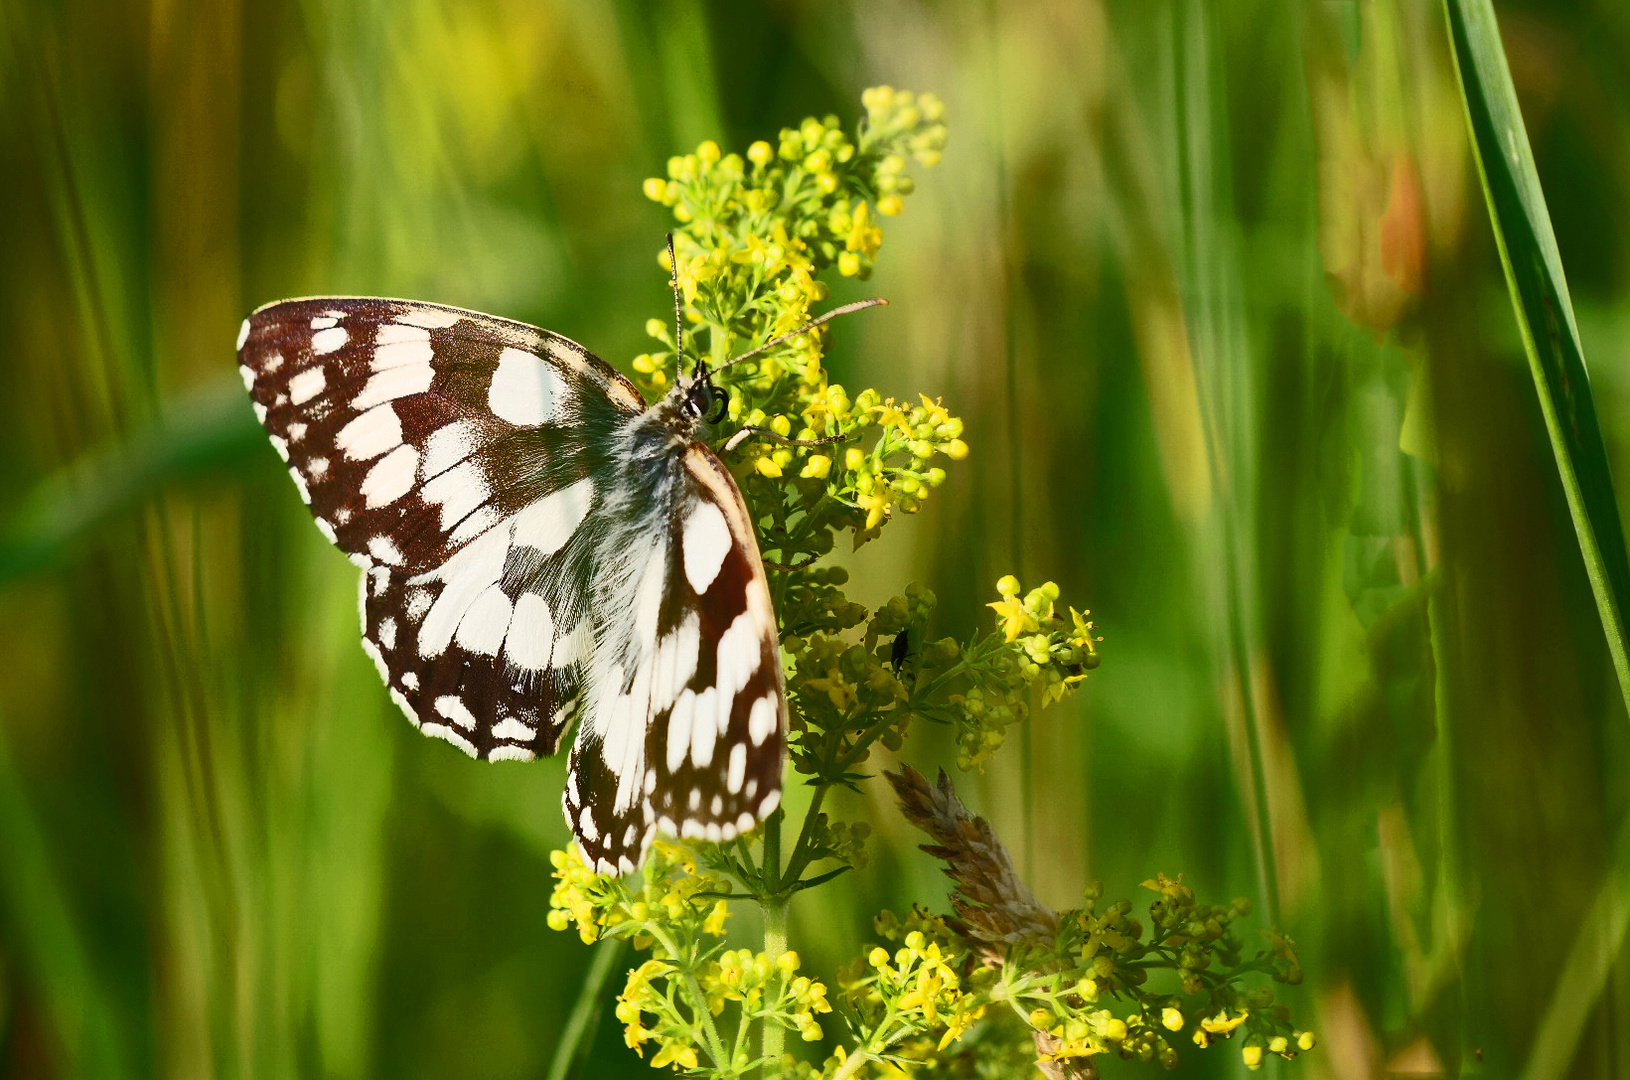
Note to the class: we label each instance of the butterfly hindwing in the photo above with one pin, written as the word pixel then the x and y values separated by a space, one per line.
pixel 693 741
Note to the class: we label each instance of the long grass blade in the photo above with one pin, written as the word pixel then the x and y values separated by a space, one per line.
pixel 1545 318
pixel 1539 298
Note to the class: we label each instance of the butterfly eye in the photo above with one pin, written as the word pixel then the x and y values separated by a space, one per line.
pixel 720 401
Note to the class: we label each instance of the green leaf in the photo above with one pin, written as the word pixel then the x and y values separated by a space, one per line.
pixel 1539 298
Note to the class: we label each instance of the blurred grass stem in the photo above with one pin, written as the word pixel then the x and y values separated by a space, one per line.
pixel 577 1037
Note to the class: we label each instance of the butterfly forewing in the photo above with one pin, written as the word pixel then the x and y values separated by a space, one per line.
pixel 536 547
pixel 412 428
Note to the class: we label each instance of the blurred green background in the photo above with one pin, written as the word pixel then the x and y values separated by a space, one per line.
pixel 1212 283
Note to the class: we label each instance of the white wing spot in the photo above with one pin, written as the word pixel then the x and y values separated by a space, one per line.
pixel 586 827
pixel 679 724
pixel 486 622
pixel 317 467
pixel 243 334
pixel 392 383
pixel 387 636
pixel 391 478
pixel 548 523
pixel 307 385
pixel 248 375
pixel 767 807
pixel 403 349
pixel 717 805
pixel 458 491
pixel 260 411
pixel 323 322
pixel 746 822
pixel 442 731
pixel 327 530
pixel 764 718
pixel 324 342
pixel 402 703
pixel 384 549
pixel 524 389
pixel 378 658
pixel 371 434
pixel 418 602
pixel 477 523
pixel 704 729
pixel 466 575
pixel 297 430
pixel 429 318
pixel 410 680
pixel 281 445
pixel 510 753
pixel 454 709
pixel 738 769
pixel 706 542
pixel 511 728
pixel 447 446
pixel 531 639
pixel 300 485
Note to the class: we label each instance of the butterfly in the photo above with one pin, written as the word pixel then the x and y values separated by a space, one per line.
pixel 539 547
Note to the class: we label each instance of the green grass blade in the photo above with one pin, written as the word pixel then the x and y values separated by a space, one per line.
pixel 1539 297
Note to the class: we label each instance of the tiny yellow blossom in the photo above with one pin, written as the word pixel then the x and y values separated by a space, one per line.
pixel 1222 1023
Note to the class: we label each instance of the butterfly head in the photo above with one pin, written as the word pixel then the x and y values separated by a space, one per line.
pixel 696 398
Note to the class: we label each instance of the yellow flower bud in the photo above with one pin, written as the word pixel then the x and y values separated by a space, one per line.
pixel 1007 585
pixel 848 264
pixel 708 153
pixel 817 467
pixel 853 458
pixel 781 425
pixel 1172 1019
pixel 1253 1057
pixel 760 153
pixel 766 466
pixel 879 957
pixel 956 449
pixel 656 189
pixel 890 205
pixel 1306 1041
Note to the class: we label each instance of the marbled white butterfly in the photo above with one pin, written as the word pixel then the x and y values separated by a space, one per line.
pixel 538 546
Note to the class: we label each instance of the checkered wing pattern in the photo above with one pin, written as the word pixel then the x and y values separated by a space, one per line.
pixel 537 546
pixel 688 729
pixel 453 456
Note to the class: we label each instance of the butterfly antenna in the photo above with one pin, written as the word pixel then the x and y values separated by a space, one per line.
pixel 858 305
pixel 679 316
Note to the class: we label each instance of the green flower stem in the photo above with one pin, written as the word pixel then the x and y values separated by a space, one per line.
pixel 775 943
pixel 580 1025
pixel 693 992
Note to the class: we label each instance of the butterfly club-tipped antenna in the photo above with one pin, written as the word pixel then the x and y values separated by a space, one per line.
pixel 743 434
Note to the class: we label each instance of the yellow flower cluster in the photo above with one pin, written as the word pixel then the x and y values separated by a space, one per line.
pixel 599 904
pixel 1062 653
pixel 914 990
